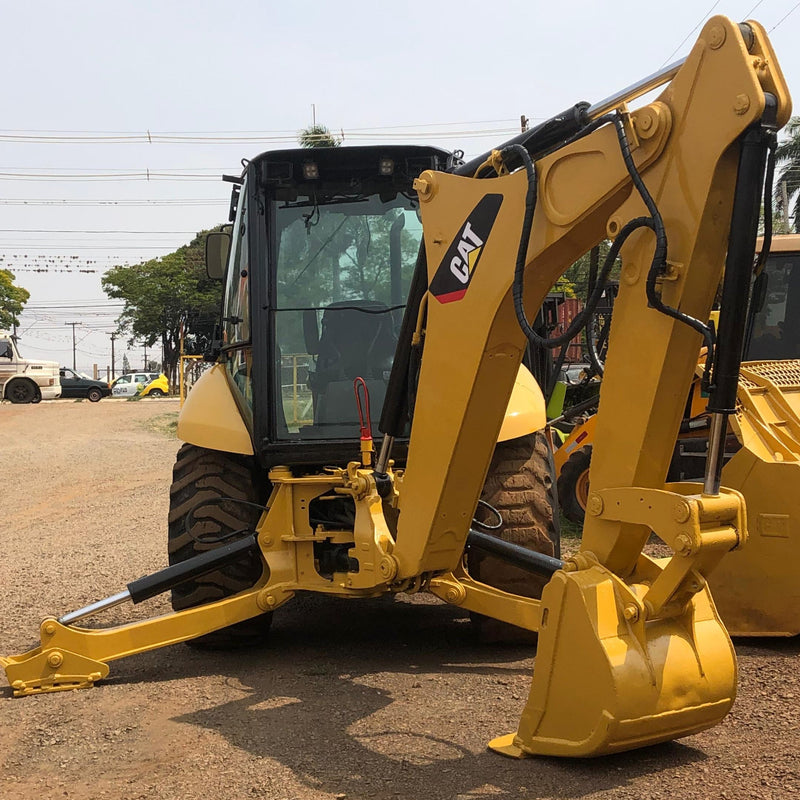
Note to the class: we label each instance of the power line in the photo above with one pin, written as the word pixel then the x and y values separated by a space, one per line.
pixel 90 304
pixel 106 178
pixel 57 230
pixel 75 245
pixel 785 17
pixel 240 137
pixel 121 170
pixel 54 269
pixel 747 15
pixel 686 38
pixel 192 201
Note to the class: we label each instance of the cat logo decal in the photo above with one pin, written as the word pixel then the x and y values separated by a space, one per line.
pixel 454 274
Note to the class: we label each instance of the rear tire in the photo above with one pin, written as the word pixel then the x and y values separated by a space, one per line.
pixel 573 485
pixel 22 391
pixel 201 475
pixel 521 485
pixel 155 393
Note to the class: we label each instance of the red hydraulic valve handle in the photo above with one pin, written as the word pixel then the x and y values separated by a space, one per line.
pixel 364 421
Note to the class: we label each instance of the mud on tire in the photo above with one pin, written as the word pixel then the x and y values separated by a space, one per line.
pixel 208 475
pixel 520 484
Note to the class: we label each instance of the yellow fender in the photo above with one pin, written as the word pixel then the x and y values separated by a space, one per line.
pixel 526 408
pixel 210 417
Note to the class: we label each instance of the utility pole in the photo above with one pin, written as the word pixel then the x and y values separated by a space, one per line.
pixel 145 358
pixel 73 341
pixel 113 365
pixel 523 123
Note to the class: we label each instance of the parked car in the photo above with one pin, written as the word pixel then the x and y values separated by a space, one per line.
pixel 145 384
pixel 76 384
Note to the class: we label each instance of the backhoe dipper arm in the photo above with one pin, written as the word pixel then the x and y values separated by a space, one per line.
pixel 631 651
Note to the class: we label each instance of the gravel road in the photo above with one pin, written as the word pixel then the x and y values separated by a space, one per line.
pixel 365 700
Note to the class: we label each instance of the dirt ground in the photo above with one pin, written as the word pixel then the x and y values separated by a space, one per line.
pixel 354 700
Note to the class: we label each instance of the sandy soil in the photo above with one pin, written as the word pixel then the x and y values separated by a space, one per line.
pixel 350 700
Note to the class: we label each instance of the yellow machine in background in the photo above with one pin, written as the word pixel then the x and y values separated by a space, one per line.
pixel 756 590
pixel 631 650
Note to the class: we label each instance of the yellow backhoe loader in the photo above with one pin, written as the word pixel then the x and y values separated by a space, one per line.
pixel 631 651
pixel 756 590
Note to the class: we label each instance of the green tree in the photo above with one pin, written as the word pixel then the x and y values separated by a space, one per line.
pixel 575 280
pixel 12 300
pixel 317 136
pixel 787 158
pixel 164 296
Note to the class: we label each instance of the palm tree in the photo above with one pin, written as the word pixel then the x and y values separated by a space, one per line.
pixel 317 136
pixel 787 159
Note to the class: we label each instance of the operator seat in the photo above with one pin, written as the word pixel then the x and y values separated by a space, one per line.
pixel 357 340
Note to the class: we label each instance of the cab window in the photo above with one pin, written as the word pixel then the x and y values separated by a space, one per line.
pixel 343 273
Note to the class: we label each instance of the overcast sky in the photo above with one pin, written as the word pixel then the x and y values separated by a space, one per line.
pixel 86 83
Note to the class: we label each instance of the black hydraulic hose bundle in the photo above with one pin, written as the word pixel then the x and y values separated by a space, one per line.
pixel 657 268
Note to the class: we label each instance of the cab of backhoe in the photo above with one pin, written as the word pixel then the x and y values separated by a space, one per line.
pixel 775 319
pixel 319 263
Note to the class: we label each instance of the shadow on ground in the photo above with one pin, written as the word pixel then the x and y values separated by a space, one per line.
pixel 382 699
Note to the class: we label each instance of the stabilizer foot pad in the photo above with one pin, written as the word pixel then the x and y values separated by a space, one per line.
pixel 52 670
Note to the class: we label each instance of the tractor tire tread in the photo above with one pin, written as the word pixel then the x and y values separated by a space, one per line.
pixel 521 487
pixel 203 476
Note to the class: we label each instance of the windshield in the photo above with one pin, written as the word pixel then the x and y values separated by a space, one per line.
pixel 776 327
pixel 343 273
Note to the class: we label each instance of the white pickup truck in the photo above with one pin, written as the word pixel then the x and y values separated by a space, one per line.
pixel 25 380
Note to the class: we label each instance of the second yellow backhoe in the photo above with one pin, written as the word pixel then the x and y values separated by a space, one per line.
pixel 755 589
pixel 631 650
